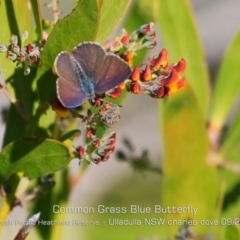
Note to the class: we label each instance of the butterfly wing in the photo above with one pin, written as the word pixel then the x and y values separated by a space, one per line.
pixel 113 72
pixel 69 92
pixel 90 56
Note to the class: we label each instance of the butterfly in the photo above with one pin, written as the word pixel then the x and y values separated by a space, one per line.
pixel 86 71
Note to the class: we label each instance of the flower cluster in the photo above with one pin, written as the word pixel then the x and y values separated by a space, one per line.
pixel 127 45
pixel 156 77
pixel 108 113
pixel 26 55
pixel 97 150
pixel 185 233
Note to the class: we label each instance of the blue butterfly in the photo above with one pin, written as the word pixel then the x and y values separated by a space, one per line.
pixel 86 71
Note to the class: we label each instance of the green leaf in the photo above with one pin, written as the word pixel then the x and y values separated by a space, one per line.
pixel 187 178
pixel 231 140
pixel 227 85
pixel 229 151
pixel 111 14
pixel 180 38
pixel 37 17
pixel 224 97
pixel 232 232
pixel 33 156
pixel 81 25
pixel 70 135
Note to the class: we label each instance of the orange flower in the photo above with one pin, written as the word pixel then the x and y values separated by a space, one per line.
pixel 146 75
pixel 161 60
pixel 135 88
pixel 135 74
pixel 171 79
pixel 181 65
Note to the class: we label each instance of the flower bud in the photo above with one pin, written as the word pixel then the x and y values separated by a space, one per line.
pixel 21 57
pixel 3 48
pixel 159 92
pixel 96 102
pixel 26 71
pixel 134 35
pixel 182 82
pixel 11 56
pixel 135 87
pixel 171 79
pixel 29 48
pixel 147 28
pixel 146 75
pixel 15 48
pixel 96 142
pixel 161 60
pixel 81 150
pixel 181 65
pixel 115 92
pixel 135 76
pixel 90 133
pixel 150 36
pixel 124 37
pixel 14 40
pixel 25 35
pixel 96 158
pixel 128 57
pixel 150 44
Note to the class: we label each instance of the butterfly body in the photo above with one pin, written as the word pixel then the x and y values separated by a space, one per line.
pixel 87 71
pixel 84 82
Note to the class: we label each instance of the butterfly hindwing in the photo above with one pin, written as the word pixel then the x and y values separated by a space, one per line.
pixel 70 95
pixel 113 72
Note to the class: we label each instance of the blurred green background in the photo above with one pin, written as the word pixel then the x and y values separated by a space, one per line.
pixel 173 130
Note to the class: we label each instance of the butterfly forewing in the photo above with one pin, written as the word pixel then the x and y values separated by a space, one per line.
pixel 90 56
pixel 65 68
pixel 69 90
pixel 113 72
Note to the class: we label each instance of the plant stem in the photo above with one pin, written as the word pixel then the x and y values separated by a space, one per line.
pixel 8 201
pixel 55 11
pixel 16 103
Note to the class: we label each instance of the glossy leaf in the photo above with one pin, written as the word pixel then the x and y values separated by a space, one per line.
pixel 35 157
pixel 231 139
pixel 70 135
pixel 229 151
pixel 37 17
pixel 180 38
pixel 81 25
pixel 112 13
pixel 188 180
pixel 232 232
pixel 227 87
